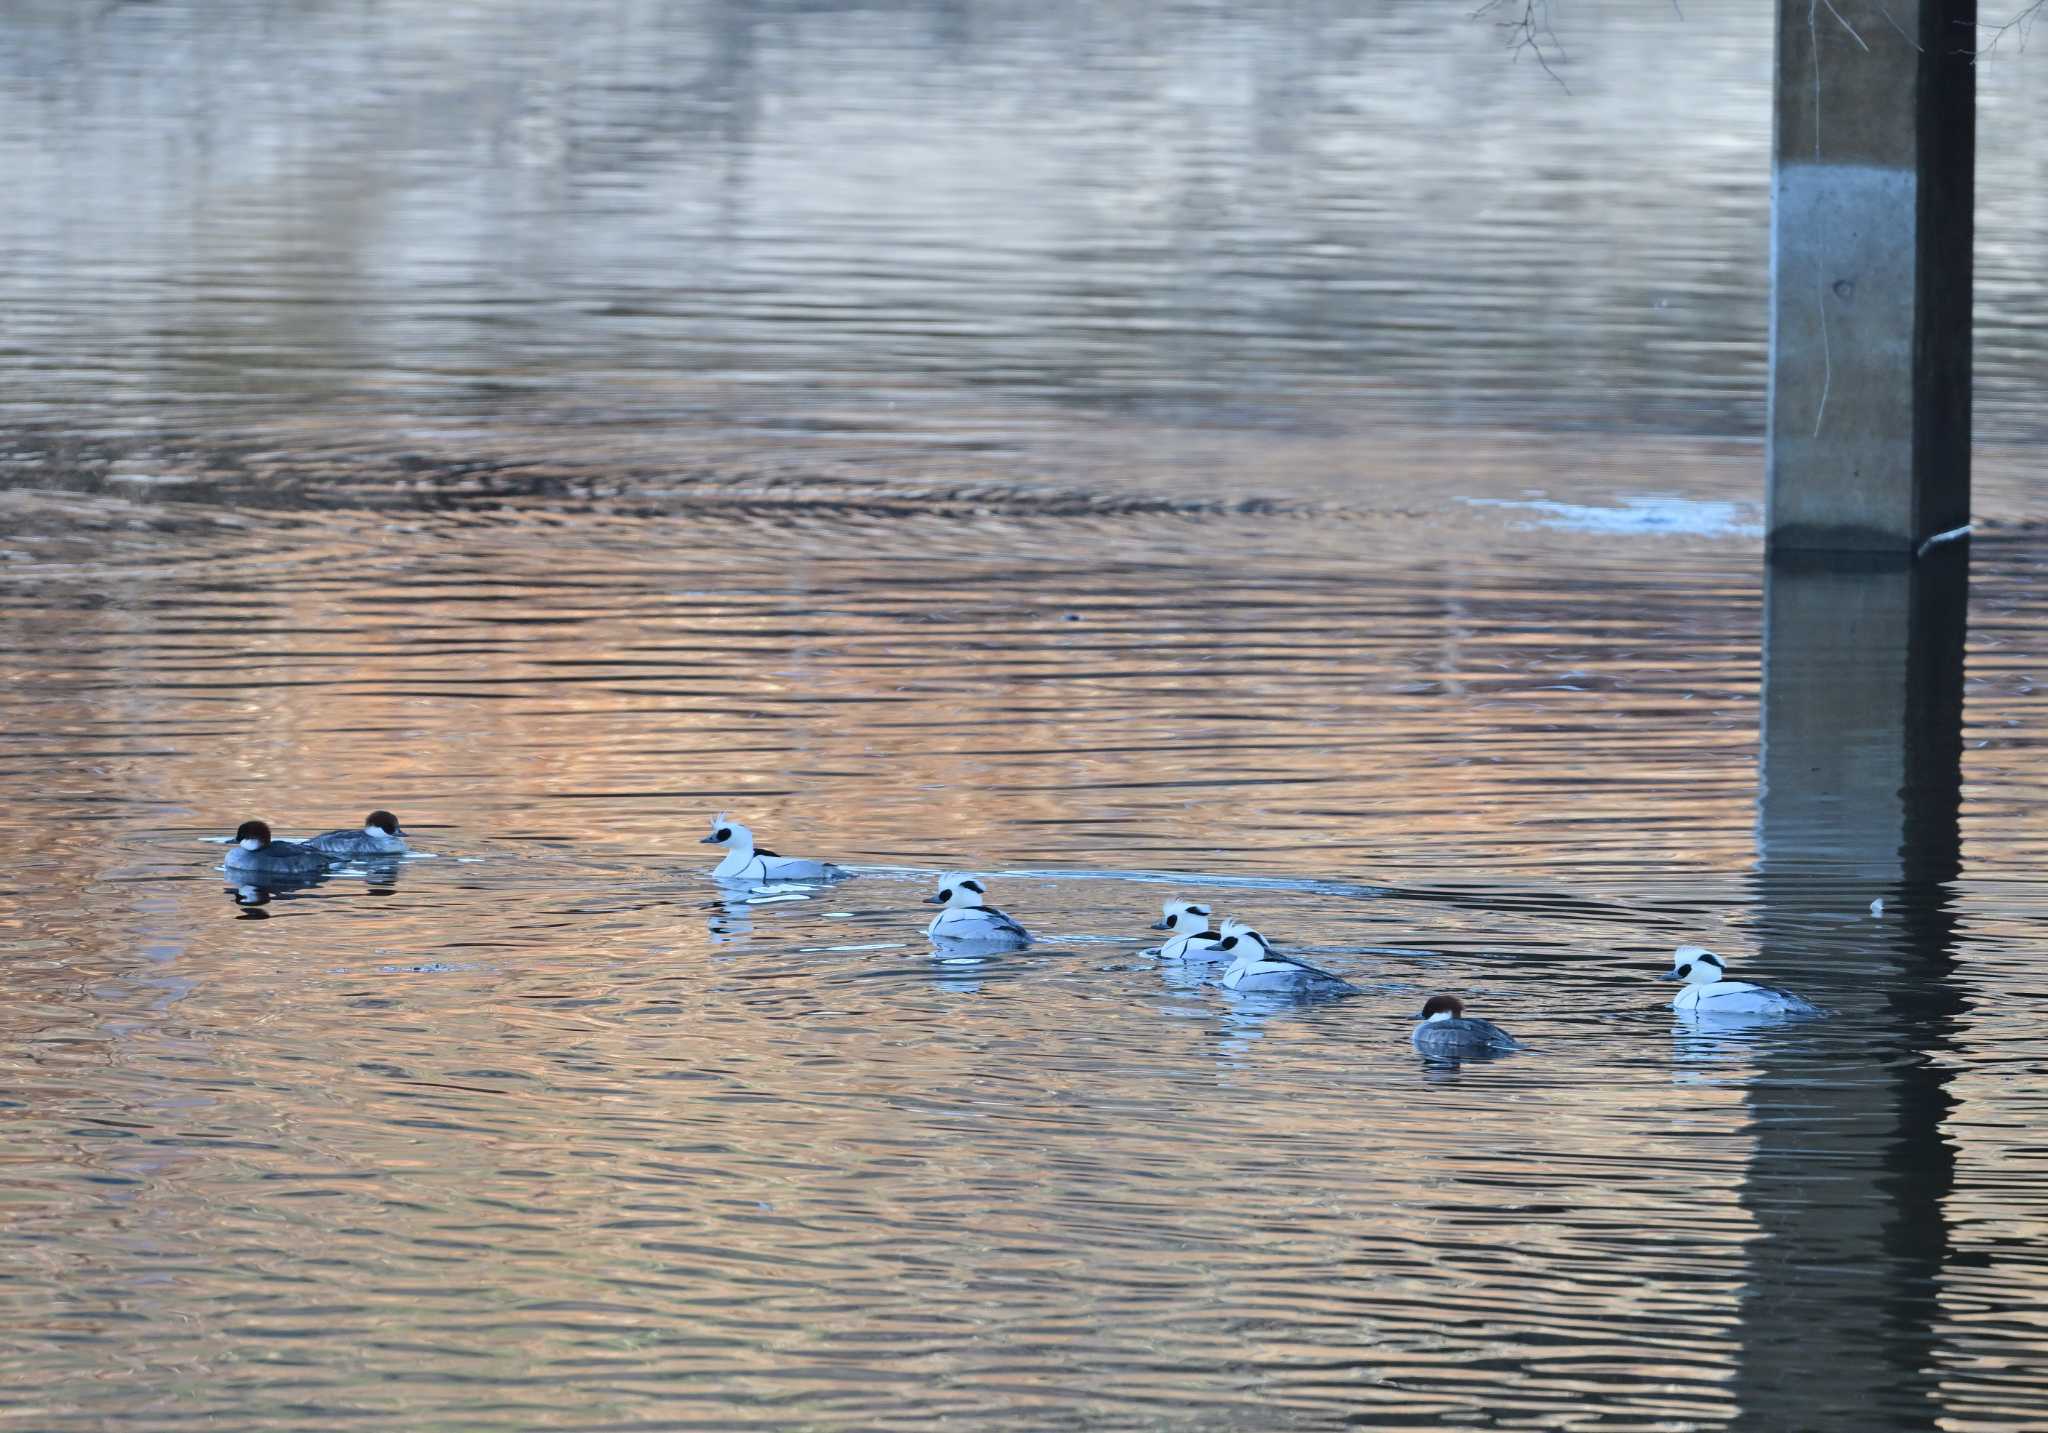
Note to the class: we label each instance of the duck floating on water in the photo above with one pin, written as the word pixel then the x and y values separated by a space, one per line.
pixel 256 854
pixel 381 836
pixel 1192 941
pixel 1708 991
pixel 1445 1033
pixel 1255 965
pixel 969 919
pixel 744 861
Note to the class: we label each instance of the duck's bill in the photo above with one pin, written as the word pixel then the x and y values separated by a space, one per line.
pixel 1161 925
pixel 1671 975
pixel 707 841
pixel 934 900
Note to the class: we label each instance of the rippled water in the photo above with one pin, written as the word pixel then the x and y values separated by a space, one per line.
pixel 422 250
pixel 1277 455
pixel 540 1131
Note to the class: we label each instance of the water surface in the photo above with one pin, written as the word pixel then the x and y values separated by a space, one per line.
pixel 543 1132
pixel 1283 457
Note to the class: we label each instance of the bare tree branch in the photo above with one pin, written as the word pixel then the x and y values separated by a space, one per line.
pixel 2022 23
pixel 1527 23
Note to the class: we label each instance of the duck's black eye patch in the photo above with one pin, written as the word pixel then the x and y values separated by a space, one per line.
pixel 1226 943
pixel 723 833
pixel 1683 971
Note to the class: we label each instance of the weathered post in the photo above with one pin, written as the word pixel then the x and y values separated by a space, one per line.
pixel 1871 230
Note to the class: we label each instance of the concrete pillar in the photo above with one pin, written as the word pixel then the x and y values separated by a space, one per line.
pixel 1861 792
pixel 1871 229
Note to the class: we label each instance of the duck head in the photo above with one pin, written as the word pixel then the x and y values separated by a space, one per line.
pixel 1243 944
pixel 729 834
pixel 1695 965
pixel 958 891
pixel 1184 918
pixel 1442 1007
pixel 381 822
pixel 252 835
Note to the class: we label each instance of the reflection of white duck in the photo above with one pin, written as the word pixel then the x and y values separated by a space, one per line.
pixel 968 917
pixel 1255 965
pixel 744 861
pixel 1708 991
pixel 1192 941
pixel 1447 1033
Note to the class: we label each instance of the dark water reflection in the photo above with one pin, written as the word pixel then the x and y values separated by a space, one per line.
pixel 1278 455
pixel 1861 786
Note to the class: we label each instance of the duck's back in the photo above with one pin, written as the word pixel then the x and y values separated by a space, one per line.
pixel 795 868
pixel 1742 997
pixel 1461 1038
pixel 976 923
pixel 1193 948
pixel 1277 972
pixel 354 843
pixel 764 865
pixel 276 856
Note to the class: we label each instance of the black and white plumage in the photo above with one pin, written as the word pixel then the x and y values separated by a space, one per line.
pixel 968 918
pixel 1192 942
pixel 1445 1033
pixel 256 854
pixel 746 862
pixel 1708 991
pixel 1255 965
pixel 381 836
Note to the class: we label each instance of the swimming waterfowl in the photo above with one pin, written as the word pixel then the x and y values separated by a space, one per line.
pixel 1708 991
pixel 1445 1032
pixel 1192 941
pixel 968 917
pixel 744 861
pixel 1255 965
pixel 380 836
pixel 254 853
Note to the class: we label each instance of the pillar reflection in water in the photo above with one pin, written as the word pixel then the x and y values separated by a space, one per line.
pixel 1861 786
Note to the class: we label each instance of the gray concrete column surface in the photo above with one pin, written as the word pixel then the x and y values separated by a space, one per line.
pixel 1871 231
